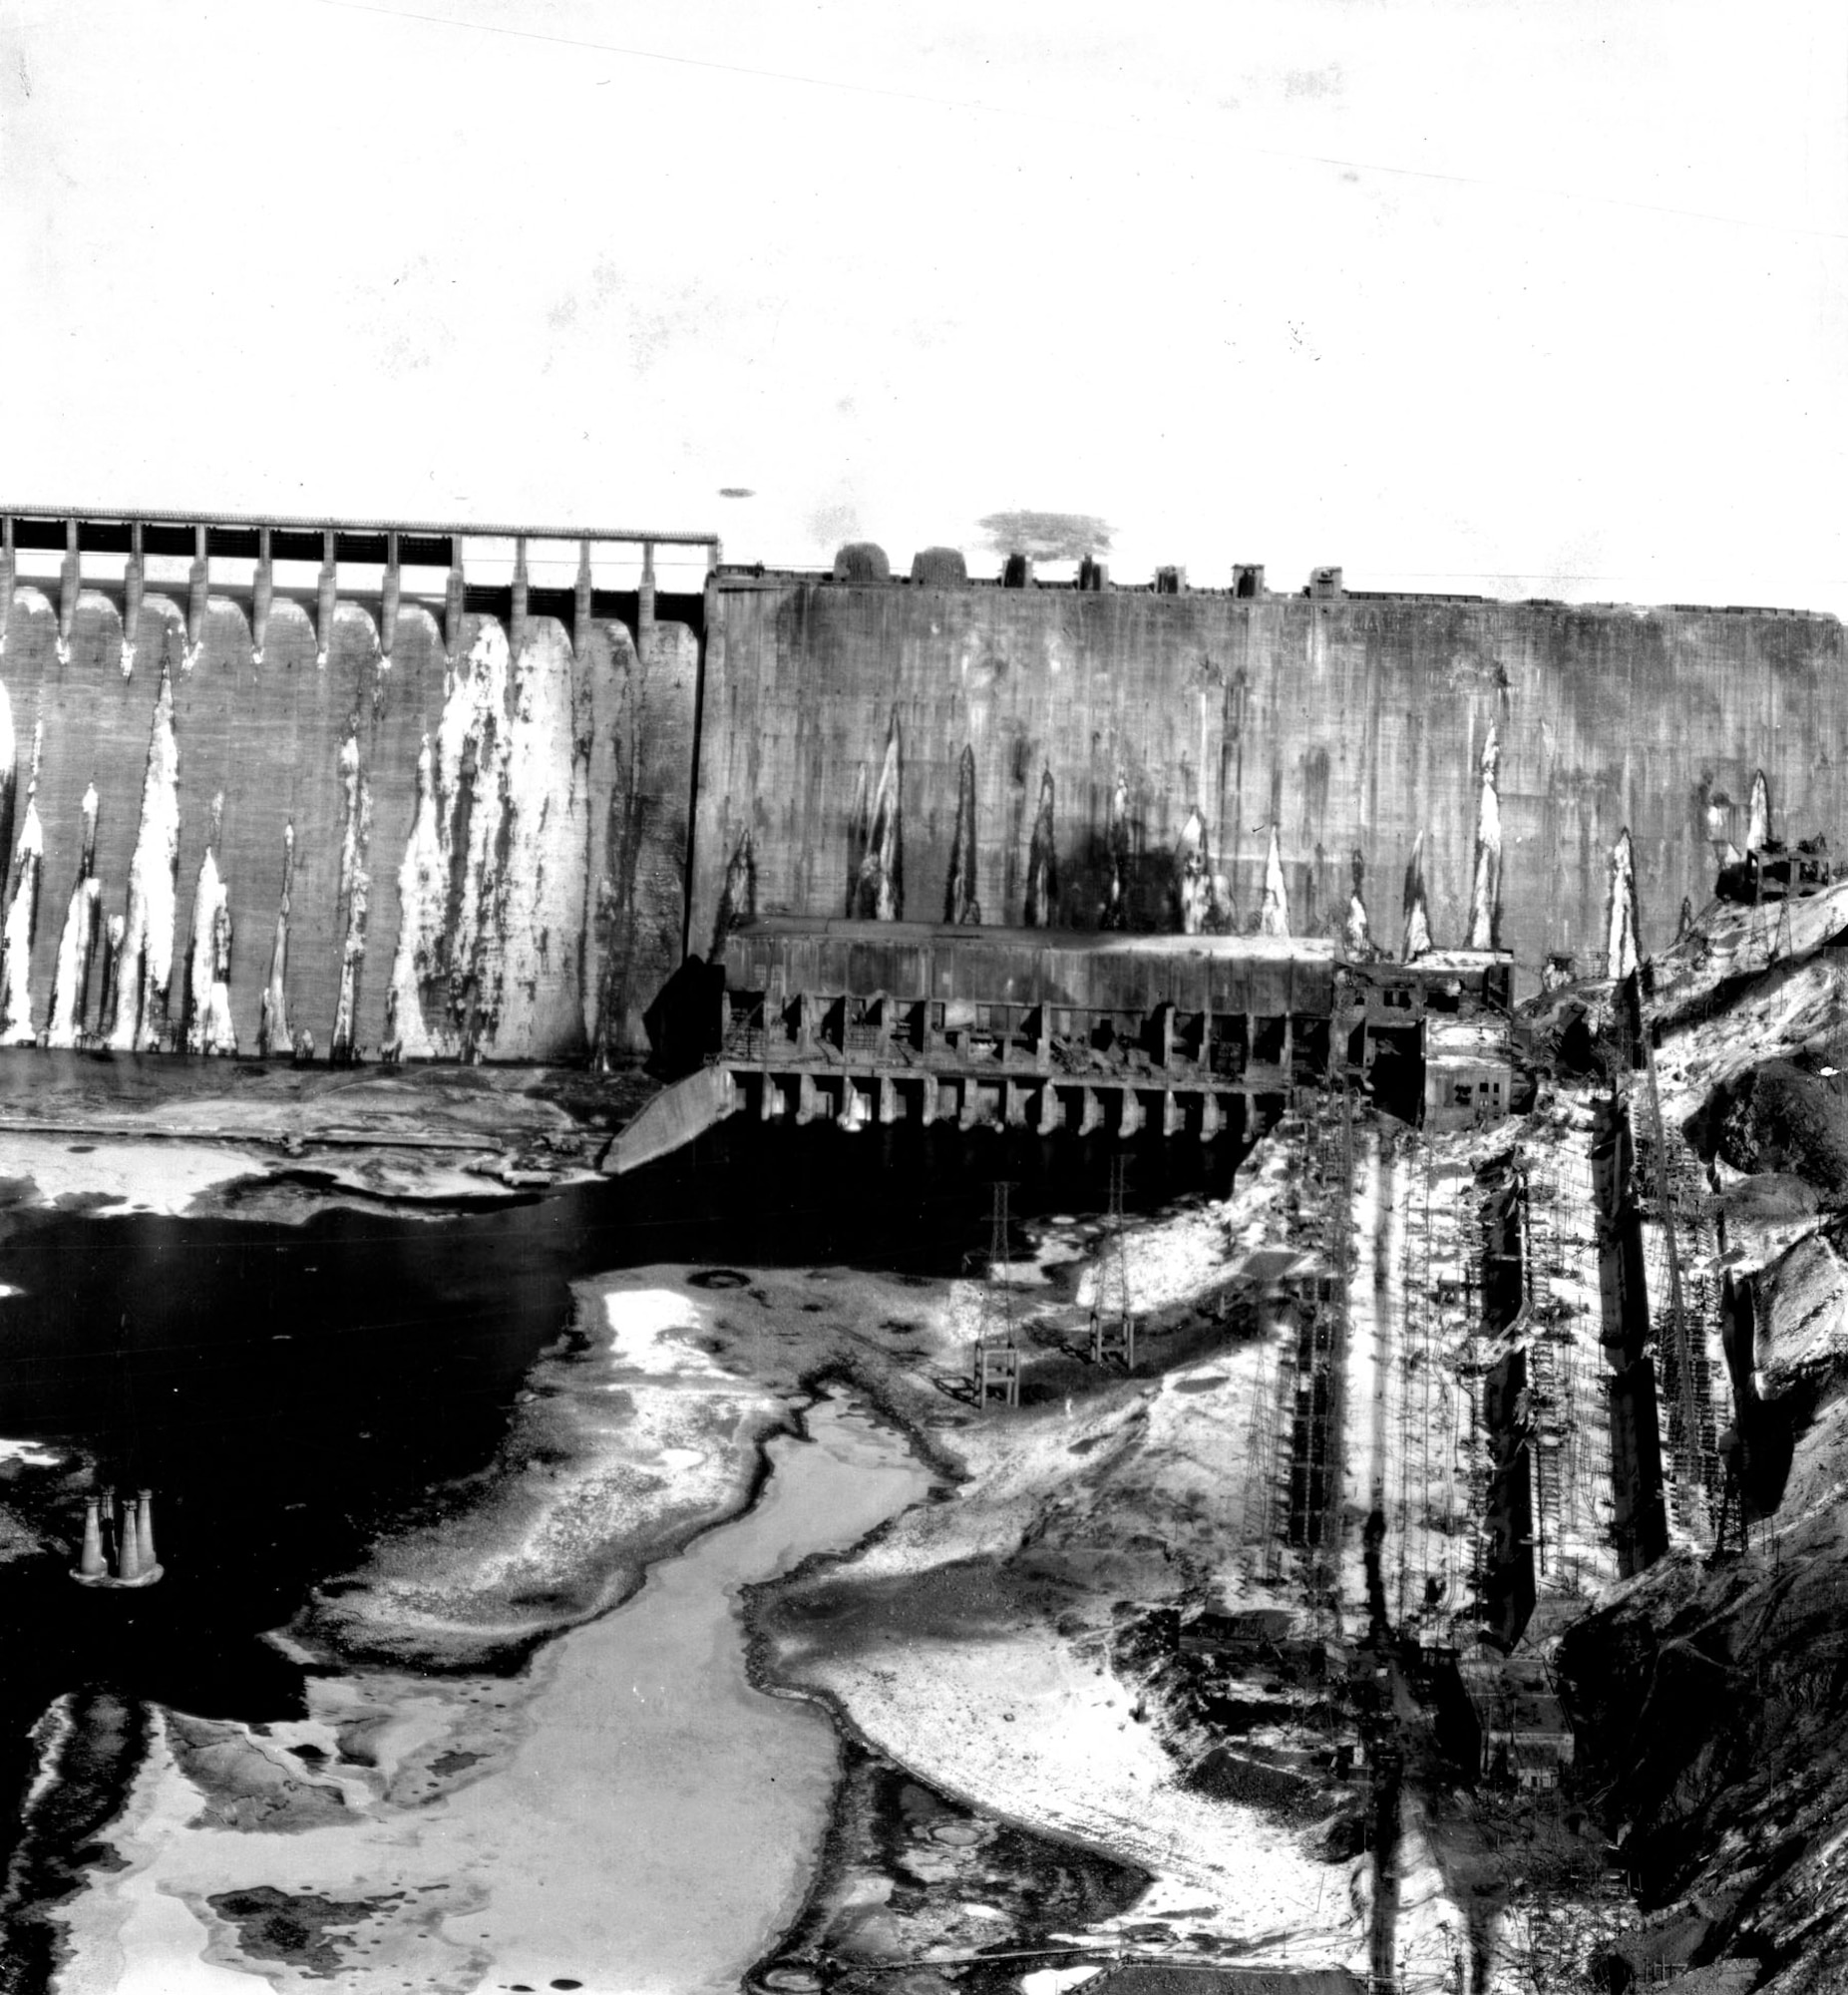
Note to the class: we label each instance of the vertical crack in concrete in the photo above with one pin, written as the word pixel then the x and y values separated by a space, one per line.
pixel 1042 861
pixel 1357 934
pixel 1758 815
pixel 22 915
pixel 1193 875
pixel 1485 900
pixel 423 894
pixel 491 885
pixel 737 899
pixel 272 1024
pixel 536 925
pixel 9 770
pixel 111 1008
pixel 960 904
pixel 1623 946
pixel 77 945
pixel 144 962
pixel 1274 914
pixel 858 821
pixel 355 883
pixel 209 1027
pixel 262 601
pixel 1116 839
pixel 1417 935
pixel 471 820
pixel 879 895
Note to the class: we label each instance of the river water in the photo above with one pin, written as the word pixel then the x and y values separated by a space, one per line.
pixel 651 1826
pixel 290 1391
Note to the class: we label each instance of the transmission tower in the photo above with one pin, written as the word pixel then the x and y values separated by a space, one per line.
pixel 1732 1533
pixel 996 1355
pixel 1113 1326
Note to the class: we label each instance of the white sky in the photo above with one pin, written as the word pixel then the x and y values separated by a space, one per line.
pixel 1546 297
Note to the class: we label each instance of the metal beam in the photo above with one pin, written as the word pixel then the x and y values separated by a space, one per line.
pixel 325 523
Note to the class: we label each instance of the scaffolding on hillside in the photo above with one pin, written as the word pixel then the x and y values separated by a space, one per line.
pixel 1271 1454
pixel 1335 1135
pixel 1680 1246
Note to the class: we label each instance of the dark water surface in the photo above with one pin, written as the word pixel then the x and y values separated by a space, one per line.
pixel 285 1391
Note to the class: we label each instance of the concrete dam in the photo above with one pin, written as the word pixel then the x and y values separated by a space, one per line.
pixel 364 783
pixel 389 806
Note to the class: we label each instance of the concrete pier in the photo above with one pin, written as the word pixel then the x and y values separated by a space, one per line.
pixel 90 1563
pixel 853 1098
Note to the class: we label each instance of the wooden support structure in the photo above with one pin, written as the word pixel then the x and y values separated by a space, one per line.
pixel 998 1372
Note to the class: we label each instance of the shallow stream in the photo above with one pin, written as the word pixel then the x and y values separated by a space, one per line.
pixel 650 1824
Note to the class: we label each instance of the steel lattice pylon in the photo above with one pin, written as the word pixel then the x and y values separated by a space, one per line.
pixel 1113 1326
pixel 996 1355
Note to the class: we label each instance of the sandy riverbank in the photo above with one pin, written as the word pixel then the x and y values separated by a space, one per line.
pixel 973 1641
pixel 274 1141
pixel 627 1814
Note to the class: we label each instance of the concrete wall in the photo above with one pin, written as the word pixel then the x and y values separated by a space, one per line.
pixel 546 831
pixel 525 893
pixel 1351 723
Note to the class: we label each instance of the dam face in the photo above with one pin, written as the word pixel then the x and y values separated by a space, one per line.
pixel 446 844
pixel 456 821
pixel 1182 727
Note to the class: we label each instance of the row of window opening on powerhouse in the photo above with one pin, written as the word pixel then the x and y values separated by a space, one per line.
pixel 842 1017
pixel 756 1022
